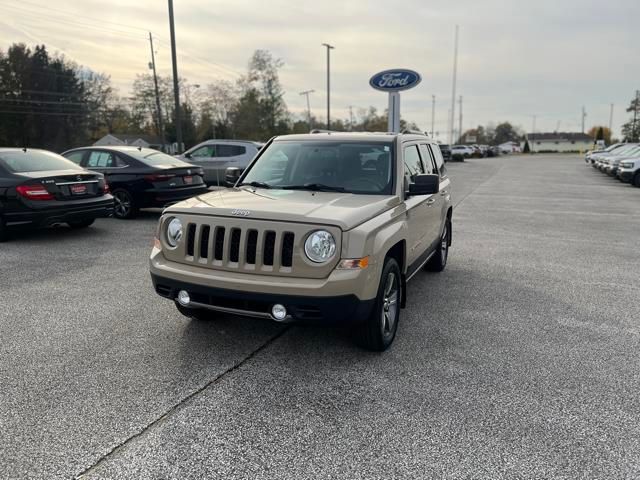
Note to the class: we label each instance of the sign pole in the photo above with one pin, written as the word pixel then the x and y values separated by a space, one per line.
pixel 394 112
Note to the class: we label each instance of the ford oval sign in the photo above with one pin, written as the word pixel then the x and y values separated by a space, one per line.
pixel 395 80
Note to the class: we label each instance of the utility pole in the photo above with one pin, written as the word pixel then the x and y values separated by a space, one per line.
pixel 329 48
pixel 460 124
pixel 611 118
pixel 306 94
pixel 449 125
pixel 155 82
pixel 453 93
pixel 533 133
pixel 634 132
pixel 176 88
pixel 433 113
pixel 351 118
pixel 584 116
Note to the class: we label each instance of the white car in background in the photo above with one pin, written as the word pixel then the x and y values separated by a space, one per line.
pixel 464 150
pixel 215 156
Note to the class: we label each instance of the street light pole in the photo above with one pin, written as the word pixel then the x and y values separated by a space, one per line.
pixel 306 94
pixel 433 113
pixel 155 82
pixel 329 48
pixel 176 88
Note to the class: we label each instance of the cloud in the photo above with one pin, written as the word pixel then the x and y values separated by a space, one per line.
pixel 517 58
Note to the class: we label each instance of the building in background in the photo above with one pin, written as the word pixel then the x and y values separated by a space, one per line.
pixel 559 142
pixel 135 140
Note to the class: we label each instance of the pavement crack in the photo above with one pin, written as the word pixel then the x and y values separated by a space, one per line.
pixel 181 403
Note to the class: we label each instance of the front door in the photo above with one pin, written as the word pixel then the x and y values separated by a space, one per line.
pixel 419 211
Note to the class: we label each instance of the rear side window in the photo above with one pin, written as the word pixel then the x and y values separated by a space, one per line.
pixel 230 150
pixel 427 159
pixel 101 160
pixel 35 161
pixel 437 154
pixel 412 163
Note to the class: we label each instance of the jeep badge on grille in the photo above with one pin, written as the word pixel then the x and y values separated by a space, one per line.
pixel 240 213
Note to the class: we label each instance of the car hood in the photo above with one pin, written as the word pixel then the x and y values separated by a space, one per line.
pixel 344 210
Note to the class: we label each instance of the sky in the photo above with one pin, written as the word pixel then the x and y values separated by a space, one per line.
pixel 517 59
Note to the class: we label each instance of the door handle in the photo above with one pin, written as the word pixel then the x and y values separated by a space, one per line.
pixel 431 201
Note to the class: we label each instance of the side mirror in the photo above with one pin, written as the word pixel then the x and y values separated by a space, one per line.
pixel 187 155
pixel 425 184
pixel 231 175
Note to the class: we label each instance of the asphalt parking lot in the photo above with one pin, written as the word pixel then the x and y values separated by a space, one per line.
pixel 521 360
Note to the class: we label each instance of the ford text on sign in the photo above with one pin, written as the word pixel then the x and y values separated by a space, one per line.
pixel 395 80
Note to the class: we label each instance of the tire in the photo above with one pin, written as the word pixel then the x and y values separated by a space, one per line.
pixel 195 313
pixel 124 206
pixel 82 223
pixel 4 235
pixel 439 261
pixel 378 331
pixel 636 180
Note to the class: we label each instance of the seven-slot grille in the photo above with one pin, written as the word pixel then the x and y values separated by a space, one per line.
pixel 242 248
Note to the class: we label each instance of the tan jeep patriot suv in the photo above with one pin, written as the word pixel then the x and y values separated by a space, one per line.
pixel 319 227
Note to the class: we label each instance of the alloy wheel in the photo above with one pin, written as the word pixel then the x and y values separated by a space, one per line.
pixel 122 204
pixel 389 305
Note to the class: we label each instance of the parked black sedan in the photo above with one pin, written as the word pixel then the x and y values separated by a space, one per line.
pixel 40 188
pixel 141 177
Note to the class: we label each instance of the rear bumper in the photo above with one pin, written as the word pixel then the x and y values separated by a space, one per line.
pixel 163 197
pixel 51 213
pixel 335 309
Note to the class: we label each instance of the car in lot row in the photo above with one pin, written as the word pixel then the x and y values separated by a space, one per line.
pixel 323 227
pixel 621 162
pixel 40 188
pixel 141 177
pixel 215 156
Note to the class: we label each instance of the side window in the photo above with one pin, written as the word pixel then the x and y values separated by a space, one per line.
pixel 121 162
pixel 437 154
pixel 412 163
pixel 206 151
pixel 99 159
pixel 427 159
pixel 75 157
pixel 230 150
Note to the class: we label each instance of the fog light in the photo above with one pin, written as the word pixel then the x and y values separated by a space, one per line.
pixel 278 312
pixel 183 298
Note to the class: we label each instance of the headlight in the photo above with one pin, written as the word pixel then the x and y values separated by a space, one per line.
pixel 174 232
pixel 626 164
pixel 320 246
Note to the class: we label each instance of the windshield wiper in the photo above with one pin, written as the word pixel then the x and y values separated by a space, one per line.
pixel 257 185
pixel 315 187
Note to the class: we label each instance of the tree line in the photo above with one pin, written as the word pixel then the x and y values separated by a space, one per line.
pixel 48 101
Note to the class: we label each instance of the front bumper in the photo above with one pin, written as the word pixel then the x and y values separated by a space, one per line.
pixel 343 295
pixel 625 175
pixel 336 309
pixel 43 214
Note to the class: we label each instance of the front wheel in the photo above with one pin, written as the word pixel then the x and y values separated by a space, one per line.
pixel 197 314
pixel 636 180
pixel 124 206
pixel 439 260
pixel 377 332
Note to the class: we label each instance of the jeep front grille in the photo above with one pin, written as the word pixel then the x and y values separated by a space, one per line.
pixel 249 246
pixel 237 246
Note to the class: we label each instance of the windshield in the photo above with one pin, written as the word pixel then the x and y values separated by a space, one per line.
pixel 154 158
pixel 353 167
pixel 35 161
pixel 624 150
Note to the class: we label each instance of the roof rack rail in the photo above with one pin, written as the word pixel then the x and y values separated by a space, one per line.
pixel 414 132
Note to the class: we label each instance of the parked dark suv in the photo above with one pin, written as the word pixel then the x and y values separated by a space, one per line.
pixel 141 177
